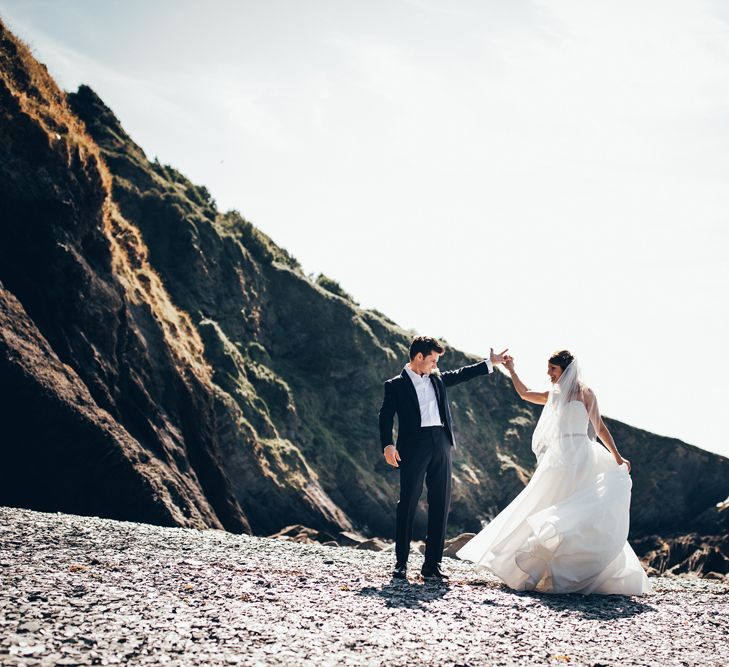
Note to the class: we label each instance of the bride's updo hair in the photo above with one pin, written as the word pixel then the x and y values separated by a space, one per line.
pixel 563 358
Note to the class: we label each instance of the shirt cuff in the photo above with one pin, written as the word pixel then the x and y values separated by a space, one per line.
pixel 489 365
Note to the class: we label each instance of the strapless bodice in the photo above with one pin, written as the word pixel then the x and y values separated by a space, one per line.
pixel 574 420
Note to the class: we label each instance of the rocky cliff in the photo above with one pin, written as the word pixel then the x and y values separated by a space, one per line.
pixel 701 548
pixel 163 361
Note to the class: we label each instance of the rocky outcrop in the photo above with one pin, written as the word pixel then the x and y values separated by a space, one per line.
pixel 70 453
pixel 167 362
pixel 103 408
pixel 703 551
pixel 80 273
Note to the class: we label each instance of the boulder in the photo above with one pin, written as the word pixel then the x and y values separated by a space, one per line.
pixel 375 544
pixel 347 538
pixel 289 531
pixel 299 533
pixel 455 544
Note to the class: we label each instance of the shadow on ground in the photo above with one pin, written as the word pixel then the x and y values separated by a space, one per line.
pixel 601 607
pixel 417 595
pixel 411 595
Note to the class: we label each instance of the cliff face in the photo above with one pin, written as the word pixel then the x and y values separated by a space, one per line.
pixel 102 376
pixel 165 362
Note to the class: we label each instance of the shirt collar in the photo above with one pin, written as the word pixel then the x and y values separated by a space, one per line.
pixel 414 376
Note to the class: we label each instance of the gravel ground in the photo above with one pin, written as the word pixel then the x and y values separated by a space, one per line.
pixel 86 591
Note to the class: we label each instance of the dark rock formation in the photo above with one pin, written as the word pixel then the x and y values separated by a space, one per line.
pixel 103 378
pixel 704 550
pixel 162 361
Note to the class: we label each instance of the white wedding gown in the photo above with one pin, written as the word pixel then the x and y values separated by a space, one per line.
pixel 566 532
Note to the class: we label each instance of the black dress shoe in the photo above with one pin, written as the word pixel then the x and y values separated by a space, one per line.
pixel 433 572
pixel 400 572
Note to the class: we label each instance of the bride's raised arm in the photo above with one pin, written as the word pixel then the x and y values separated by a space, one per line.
pixel 588 398
pixel 538 397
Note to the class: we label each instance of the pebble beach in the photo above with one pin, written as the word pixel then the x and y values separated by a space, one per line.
pixel 88 591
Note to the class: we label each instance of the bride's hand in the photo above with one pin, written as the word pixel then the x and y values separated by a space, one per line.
pixel 620 460
pixel 508 362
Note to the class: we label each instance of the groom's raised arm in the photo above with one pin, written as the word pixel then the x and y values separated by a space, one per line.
pixel 466 373
pixel 387 415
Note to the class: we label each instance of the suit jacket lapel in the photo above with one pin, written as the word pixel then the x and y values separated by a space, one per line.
pixel 410 390
pixel 436 388
pixel 438 396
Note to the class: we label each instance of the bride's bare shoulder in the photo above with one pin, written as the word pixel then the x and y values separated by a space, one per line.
pixel 587 396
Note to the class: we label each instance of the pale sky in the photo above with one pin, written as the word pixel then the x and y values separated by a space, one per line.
pixel 535 175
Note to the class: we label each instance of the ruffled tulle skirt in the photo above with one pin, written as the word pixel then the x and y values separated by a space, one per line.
pixel 566 532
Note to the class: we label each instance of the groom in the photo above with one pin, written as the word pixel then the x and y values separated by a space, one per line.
pixel 424 445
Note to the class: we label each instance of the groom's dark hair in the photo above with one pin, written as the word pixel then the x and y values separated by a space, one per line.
pixel 425 345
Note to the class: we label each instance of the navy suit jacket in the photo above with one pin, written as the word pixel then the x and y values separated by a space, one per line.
pixel 401 399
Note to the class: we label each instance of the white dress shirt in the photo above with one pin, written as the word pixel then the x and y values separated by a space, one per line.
pixel 427 400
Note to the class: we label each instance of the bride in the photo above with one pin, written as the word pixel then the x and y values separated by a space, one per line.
pixel 566 532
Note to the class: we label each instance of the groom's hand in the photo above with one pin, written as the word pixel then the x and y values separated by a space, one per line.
pixel 392 456
pixel 497 359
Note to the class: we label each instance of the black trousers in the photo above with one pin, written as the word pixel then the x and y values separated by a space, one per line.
pixel 428 460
